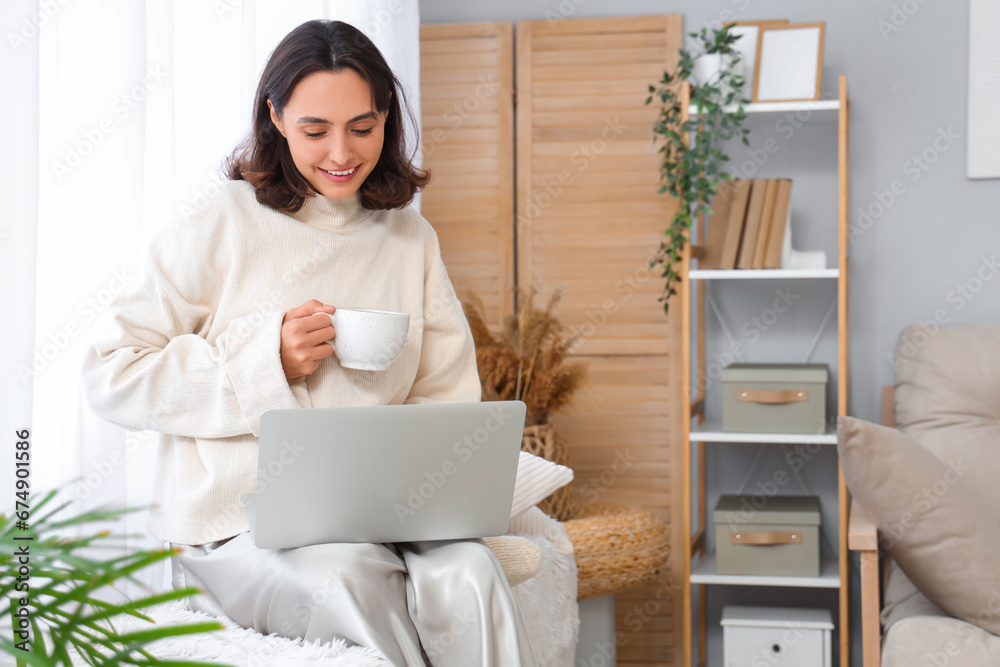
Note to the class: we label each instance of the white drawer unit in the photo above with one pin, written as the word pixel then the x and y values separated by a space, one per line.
pixel 776 637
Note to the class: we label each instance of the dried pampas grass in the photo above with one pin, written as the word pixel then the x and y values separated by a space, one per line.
pixel 528 359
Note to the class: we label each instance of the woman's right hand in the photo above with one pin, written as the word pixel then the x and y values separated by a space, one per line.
pixel 304 332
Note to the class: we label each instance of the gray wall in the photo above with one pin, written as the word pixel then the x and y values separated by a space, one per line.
pixel 918 256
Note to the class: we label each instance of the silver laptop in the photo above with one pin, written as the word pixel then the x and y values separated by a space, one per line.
pixel 392 473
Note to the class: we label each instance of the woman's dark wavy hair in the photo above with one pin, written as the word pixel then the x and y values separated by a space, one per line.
pixel 263 158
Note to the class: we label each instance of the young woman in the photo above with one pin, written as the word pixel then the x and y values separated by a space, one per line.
pixel 229 321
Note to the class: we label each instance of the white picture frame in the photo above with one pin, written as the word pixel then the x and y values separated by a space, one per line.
pixel 789 63
pixel 983 152
pixel 749 33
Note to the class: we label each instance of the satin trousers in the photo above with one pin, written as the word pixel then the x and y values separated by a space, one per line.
pixel 441 603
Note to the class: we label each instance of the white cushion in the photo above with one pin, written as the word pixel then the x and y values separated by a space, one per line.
pixel 536 479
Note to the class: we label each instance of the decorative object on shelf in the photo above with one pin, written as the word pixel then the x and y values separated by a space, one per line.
pixel 779 536
pixel 748 33
pixel 529 361
pixel 789 63
pixel 691 172
pixel 776 635
pixel 709 70
pixel 67 608
pixel 616 547
pixel 774 398
pixel 799 259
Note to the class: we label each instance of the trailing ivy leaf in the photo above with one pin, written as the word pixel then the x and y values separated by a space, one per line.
pixel 692 161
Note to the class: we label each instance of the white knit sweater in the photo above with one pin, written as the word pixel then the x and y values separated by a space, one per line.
pixel 195 355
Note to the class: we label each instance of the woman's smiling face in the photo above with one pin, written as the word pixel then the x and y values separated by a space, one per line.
pixel 334 133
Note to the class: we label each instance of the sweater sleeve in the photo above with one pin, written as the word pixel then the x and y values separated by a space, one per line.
pixel 447 372
pixel 157 371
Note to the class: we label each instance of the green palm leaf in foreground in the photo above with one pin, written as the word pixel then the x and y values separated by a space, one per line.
pixel 60 609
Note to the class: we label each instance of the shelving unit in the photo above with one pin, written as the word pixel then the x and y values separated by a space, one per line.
pixel 700 432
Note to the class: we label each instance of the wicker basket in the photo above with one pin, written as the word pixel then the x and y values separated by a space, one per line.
pixel 616 547
pixel 541 439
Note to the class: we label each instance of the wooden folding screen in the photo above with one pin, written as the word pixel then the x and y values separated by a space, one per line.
pixel 587 215
pixel 466 99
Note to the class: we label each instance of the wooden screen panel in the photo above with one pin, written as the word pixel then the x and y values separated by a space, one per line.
pixel 589 215
pixel 588 210
pixel 466 88
pixel 619 432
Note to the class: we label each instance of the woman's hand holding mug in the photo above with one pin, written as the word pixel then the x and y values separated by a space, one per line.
pixel 304 333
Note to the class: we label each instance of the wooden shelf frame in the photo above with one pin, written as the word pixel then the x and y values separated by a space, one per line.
pixel 693 570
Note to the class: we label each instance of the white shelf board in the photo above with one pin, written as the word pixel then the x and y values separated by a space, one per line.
pixel 761 274
pixel 704 573
pixel 819 107
pixel 712 432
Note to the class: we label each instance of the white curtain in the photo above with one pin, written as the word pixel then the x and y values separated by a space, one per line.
pixel 137 105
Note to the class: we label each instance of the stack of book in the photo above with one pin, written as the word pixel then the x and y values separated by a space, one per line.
pixel 747 225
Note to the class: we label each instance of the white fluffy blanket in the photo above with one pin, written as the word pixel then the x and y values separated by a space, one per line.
pixel 547 602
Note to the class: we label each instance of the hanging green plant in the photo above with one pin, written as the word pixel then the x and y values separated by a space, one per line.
pixel 692 170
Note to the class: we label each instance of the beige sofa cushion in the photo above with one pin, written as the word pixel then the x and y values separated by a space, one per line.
pixel 948 399
pixel 940 641
pixel 930 524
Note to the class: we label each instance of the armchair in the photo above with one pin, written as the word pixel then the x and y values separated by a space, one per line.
pixel 926 491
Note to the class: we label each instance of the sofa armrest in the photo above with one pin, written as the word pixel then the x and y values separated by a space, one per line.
pixel 862 536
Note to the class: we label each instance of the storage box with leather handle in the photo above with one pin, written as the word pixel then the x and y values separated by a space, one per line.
pixel 767 535
pixel 774 398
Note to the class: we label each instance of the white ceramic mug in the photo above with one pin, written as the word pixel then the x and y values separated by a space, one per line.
pixel 368 340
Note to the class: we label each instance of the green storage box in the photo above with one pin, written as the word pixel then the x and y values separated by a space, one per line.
pixel 767 535
pixel 774 398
